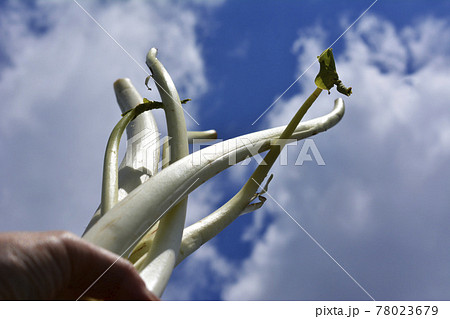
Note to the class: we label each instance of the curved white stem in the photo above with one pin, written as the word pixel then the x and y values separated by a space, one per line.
pixel 143 149
pixel 110 182
pixel 129 219
pixel 161 258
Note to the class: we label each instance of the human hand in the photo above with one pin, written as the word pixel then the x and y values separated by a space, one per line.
pixel 60 265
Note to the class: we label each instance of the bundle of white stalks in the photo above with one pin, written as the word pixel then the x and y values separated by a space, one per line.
pixel 143 209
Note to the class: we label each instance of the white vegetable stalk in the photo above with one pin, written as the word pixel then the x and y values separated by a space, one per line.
pixel 132 217
pixel 110 183
pixel 162 256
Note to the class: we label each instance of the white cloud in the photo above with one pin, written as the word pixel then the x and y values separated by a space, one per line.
pixel 377 204
pixel 252 286
pixel 58 105
pixel 202 273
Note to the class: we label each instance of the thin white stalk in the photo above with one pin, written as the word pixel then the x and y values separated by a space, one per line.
pixel 162 256
pixel 129 219
pixel 110 183
pixel 110 186
pixel 139 163
pixel 176 124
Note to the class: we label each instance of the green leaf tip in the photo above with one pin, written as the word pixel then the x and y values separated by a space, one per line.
pixel 327 76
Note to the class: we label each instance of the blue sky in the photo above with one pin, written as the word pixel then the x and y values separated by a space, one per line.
pixel 380 206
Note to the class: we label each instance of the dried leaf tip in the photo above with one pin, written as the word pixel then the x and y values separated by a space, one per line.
pixel 327 76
